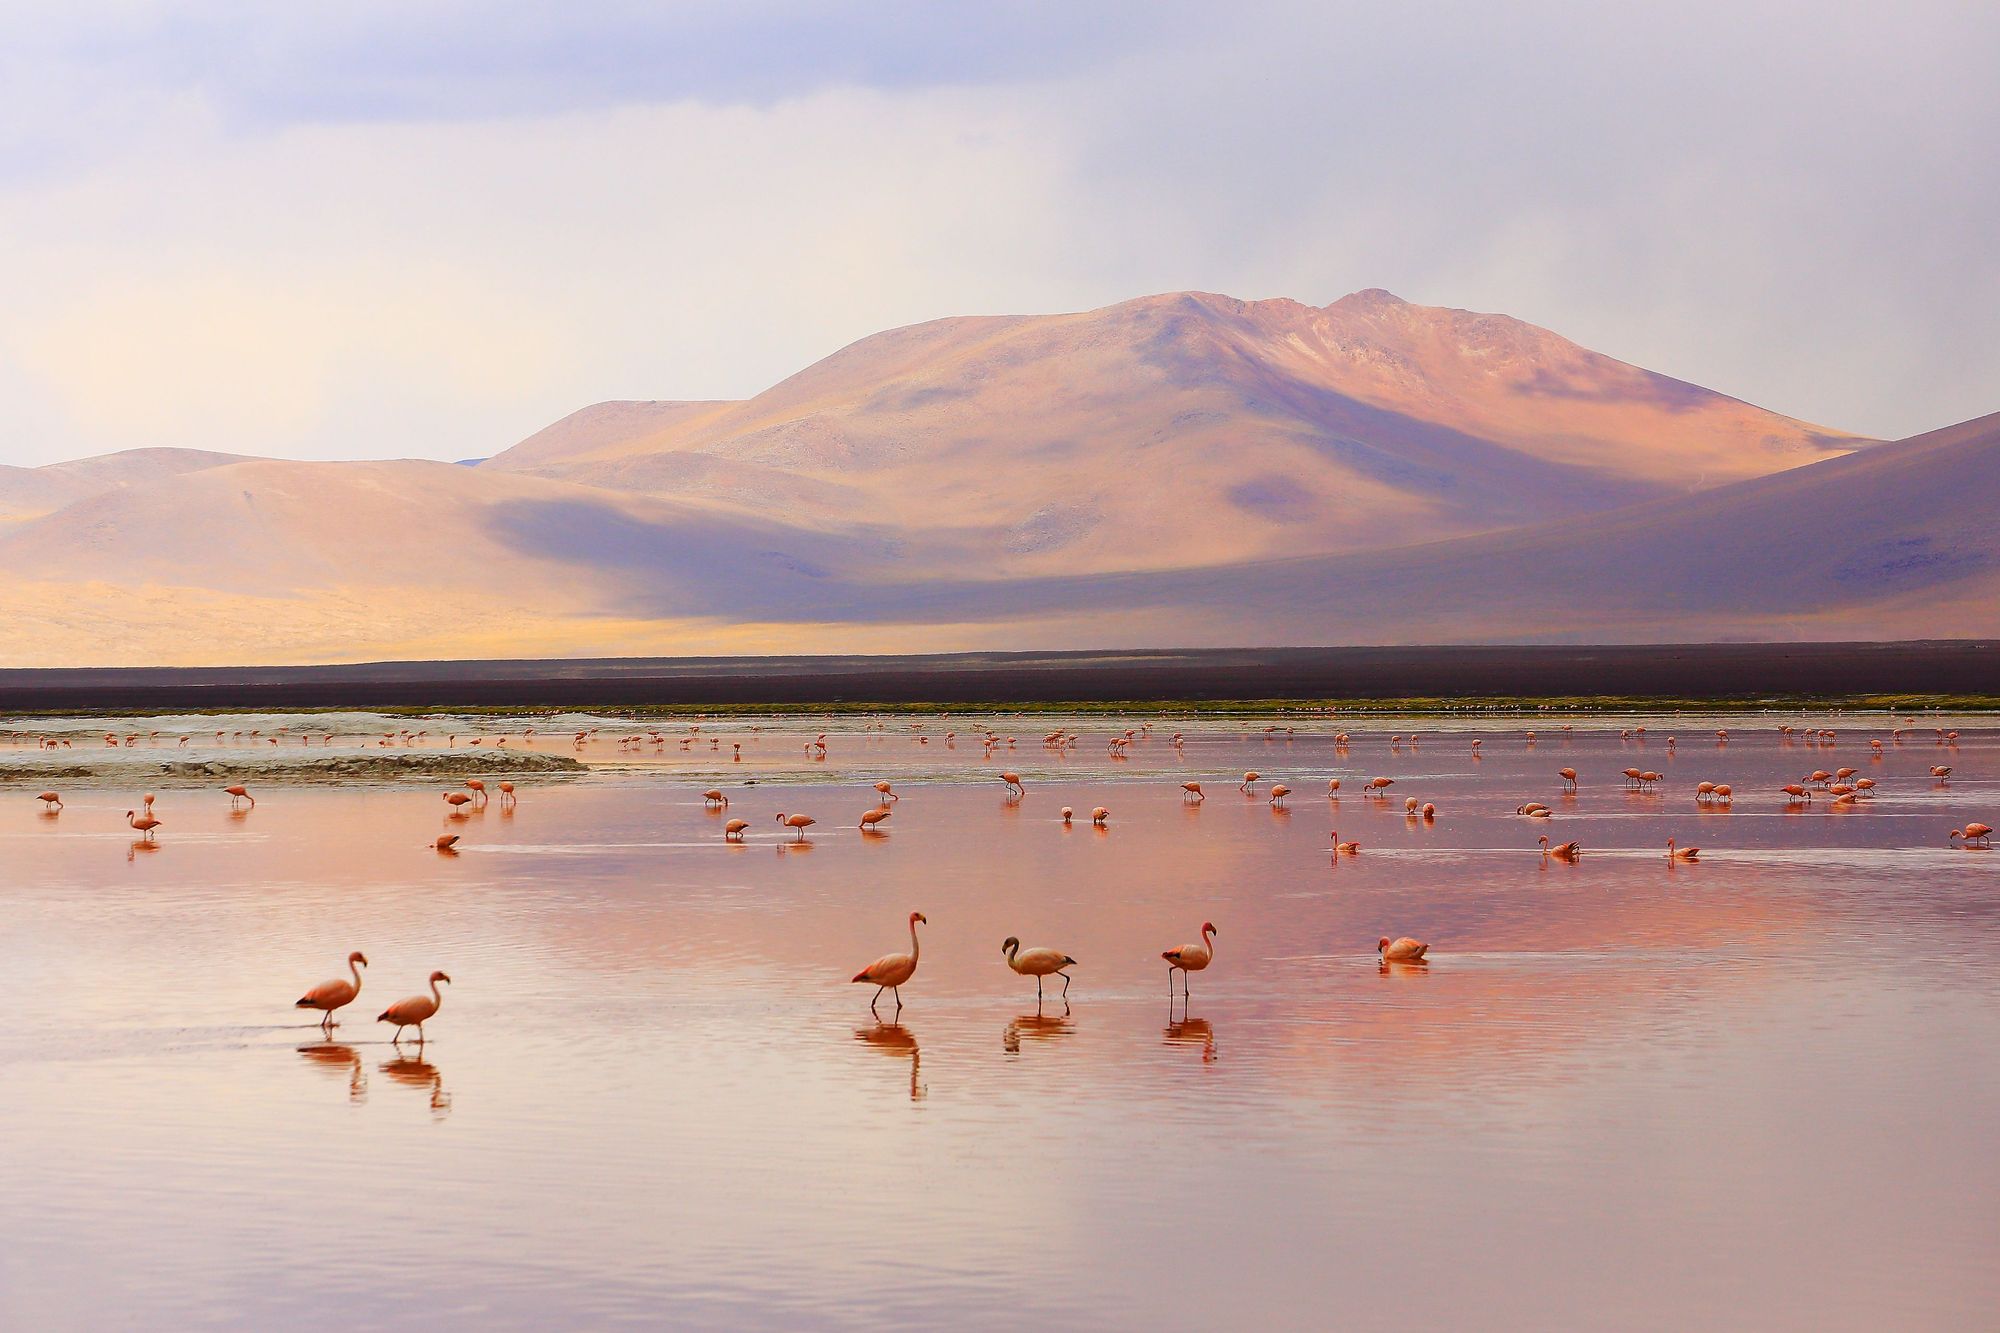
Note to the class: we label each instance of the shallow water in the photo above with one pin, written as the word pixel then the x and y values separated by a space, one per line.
pixel 1755 1091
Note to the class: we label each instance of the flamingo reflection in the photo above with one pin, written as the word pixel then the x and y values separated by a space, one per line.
pixel 1035 1027
pixel 1192 1032
pixel 338 1059
pixel 895 1040
pixel 419 1073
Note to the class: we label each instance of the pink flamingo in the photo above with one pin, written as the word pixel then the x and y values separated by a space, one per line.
pixel 338 993
pixel 890 971
pixel 1190 958
pixel 415 1011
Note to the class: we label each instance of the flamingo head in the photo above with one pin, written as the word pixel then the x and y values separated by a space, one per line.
pixel 1381 944
pixel 915 917
pixel 358 957
pixel 439 976
pixel 1208 928
pixel 781 817
pixel 1544 840
pixel 1011 944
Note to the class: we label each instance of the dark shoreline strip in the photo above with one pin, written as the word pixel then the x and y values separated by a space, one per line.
pixel 1692 672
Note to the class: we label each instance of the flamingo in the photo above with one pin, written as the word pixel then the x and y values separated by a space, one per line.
pixel 1374 786
pixel 446 842
pixel 1067 814
pixel 887 794
pixel 1682 853
pixel 1192 789
pixel 875 817
pixel 1014 787
pixel 1344 848
pixel 1796 792
pixel 415 1011
pixel 1725 793
pixel 331 995
pixel 1567 851
pixel 1279 791
pixel 1941 772
pixel 1430 810
pixel 1333 787
pixel 1568 775
pixel 797 823
pixel 51 801
pixel 1979 833
pixel 507 796
pixel 1099 816
pixel 1038 963
pixel 456 800
pixel 475 785
pixel 714 799
pixel 1249 780
pixel 240 794
pixel 1403 950
pixel 733 831
pixel 891 970
pixel 144 823
pixel 1190 958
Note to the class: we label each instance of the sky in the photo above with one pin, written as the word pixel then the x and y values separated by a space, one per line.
pixel 381 230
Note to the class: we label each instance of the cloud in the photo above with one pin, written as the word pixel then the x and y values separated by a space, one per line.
pixel 362 230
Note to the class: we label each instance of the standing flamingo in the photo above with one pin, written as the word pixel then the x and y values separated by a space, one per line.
pixel 331 995
pixel 1014 787
pixel 1038 963
pixel 1099 817
pixel 51 801
pixel 1249 781
pixel 1279 791
pixel 874 817
pixel 144 823
pixel 1192 790
pixel 507 796
pixel 457 800
pixel 887 794
pixel 890 971
pixel 734 830
pixel 240 794
pixel 415 1011
pixel 1568 775
pixel 797 823
pixel 714 798
pixel 1190 958
pixel 1979 833
pixel 476 786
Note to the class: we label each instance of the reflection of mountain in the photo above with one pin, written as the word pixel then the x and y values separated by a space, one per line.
pixel 1181 470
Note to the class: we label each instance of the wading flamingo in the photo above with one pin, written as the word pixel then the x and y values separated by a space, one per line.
pixel 507 796
pixel 734 830
pixel 1038 963
pixel 1344 848
pixel 1567 851
pixel 331 995
pixel 1249 780
pixel 1568 775
pixel 1099 817
pixel 1192 790
pixel 457 800
pixel 1404 950
pixel 1979 833
pixel 1014 787
pixel 240 794
pixel 1067 815
pixel 873 817
pixel 445 842
pixel 715 799
pixel 476 786
pixel 415 1011
pixel 887 795
pixel 1190 958
pixel 1333 786
pixel 1279 791
pixel 890 971
pixel 50 801
pixel 797 823
pixel 1374 786
pixel 144 823
pixel 1682 853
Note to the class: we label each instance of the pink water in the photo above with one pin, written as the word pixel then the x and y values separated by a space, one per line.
pixel 1756 1091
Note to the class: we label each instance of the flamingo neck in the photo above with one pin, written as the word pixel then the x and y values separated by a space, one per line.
pixel 914 946
pixel 436 999
pixel 354 970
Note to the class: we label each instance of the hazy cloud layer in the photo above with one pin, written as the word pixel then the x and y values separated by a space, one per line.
pixel 358 231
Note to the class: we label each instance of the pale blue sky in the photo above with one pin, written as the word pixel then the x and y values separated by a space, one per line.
pixel 354 230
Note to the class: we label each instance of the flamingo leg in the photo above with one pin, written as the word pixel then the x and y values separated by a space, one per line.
pixel 878 995
pixel 897 991
pixel 1065 977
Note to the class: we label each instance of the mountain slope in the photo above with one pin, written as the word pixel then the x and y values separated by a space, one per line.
pixel 28 492
pixel 1187 429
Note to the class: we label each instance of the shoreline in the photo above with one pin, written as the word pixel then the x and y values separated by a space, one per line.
pixel 1962 675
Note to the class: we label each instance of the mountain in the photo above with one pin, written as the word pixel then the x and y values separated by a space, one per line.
pixel 28 492
pixel 1184 470
pixel 1187 429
